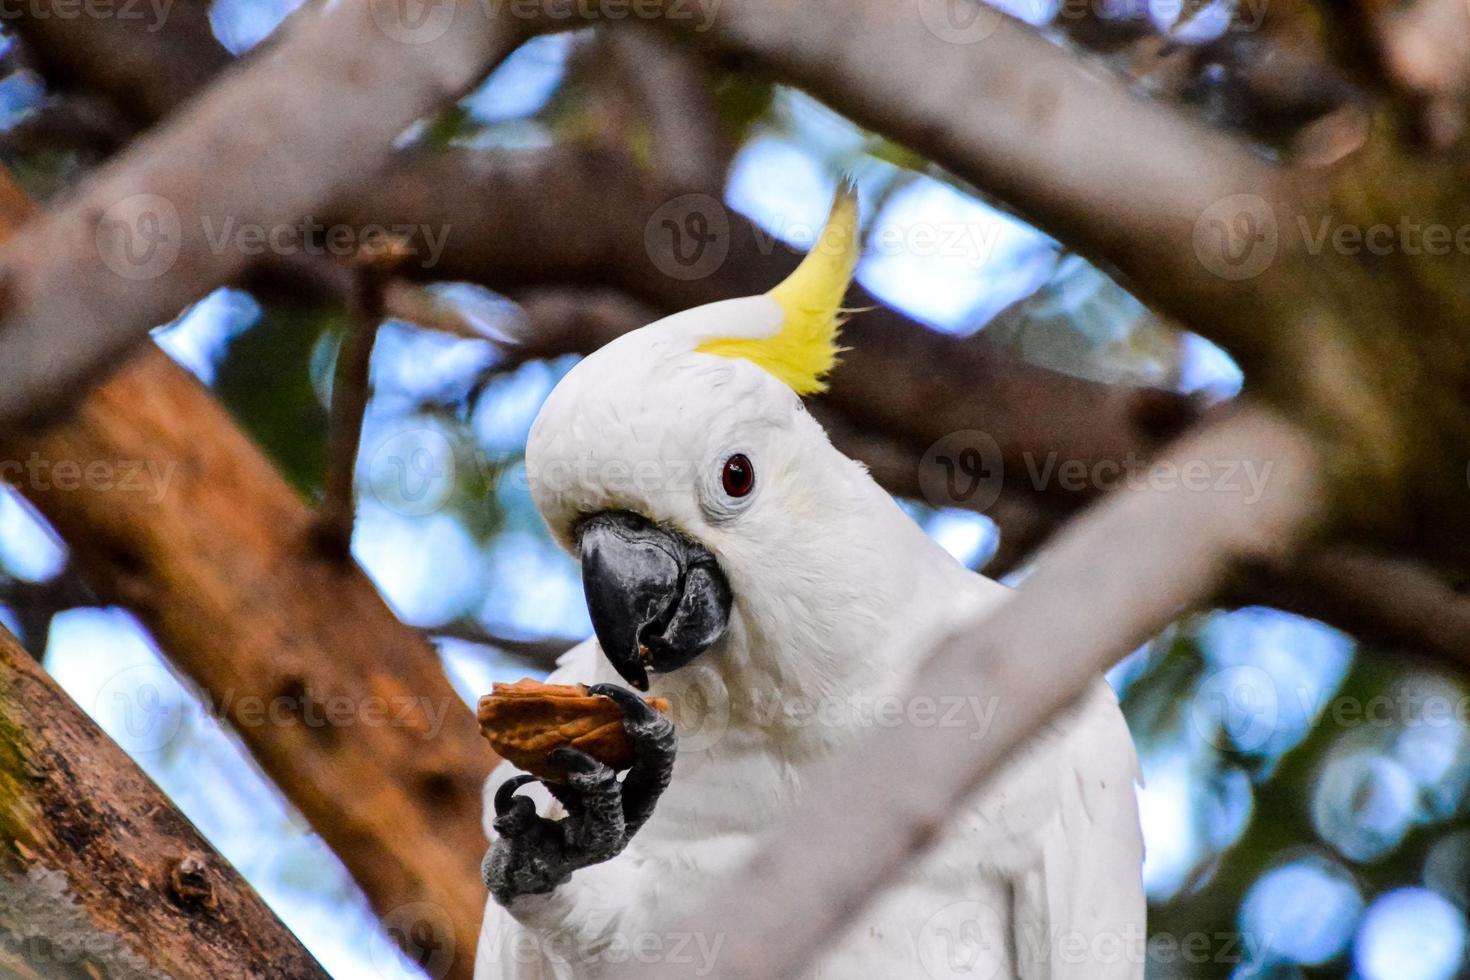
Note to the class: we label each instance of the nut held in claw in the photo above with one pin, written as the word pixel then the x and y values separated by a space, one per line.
pixel 528 720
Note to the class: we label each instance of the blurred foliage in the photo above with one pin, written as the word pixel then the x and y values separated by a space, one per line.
pixel 1369 723
pixel 266 382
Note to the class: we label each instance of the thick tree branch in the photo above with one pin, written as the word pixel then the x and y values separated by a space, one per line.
pixel 989 99
pixel 151 231
pixel 99 874
pixel 1012 113
pixel 592 218
pixel 345 708
pixel 1073 617
pixel 171 512
pixel 672 89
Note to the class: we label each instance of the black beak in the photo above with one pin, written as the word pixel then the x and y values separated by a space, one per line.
pixel 657 599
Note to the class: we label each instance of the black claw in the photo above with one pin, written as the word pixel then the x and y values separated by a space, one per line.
pixel 575 761
pixel 654 748
pixel 506 794
pixel 634 707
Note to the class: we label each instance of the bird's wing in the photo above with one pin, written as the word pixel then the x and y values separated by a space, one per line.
pixel 1078 907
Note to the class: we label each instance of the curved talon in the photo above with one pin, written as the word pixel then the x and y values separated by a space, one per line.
pixel 506 794
pixel 633 706
pixel 650 729
pixel 574 760
pixel 646 724
pixel 514 815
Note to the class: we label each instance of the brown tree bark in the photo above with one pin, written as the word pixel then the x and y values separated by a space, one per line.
pixel 172 512
pixel 99 874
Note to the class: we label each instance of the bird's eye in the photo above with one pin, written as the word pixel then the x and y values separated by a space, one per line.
pixel 738 476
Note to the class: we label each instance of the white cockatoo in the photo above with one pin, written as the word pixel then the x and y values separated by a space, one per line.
pixel 739 565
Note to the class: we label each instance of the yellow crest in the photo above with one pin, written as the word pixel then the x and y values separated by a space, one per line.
pixel 805 349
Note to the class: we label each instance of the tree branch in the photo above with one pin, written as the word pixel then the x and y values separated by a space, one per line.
pixel 99 874
pixel 989 99
pixel 351 392
pixel 672 89
pixel 1394 605
pixel 145 68
pixel 538 654
pixel 141 238
pixel 1426 55
pixel 584 217
pixel 345 708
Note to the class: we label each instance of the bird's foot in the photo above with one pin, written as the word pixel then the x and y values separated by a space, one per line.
pixel 533 855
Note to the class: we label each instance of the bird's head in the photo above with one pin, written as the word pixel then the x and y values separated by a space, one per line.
pixel 679 464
